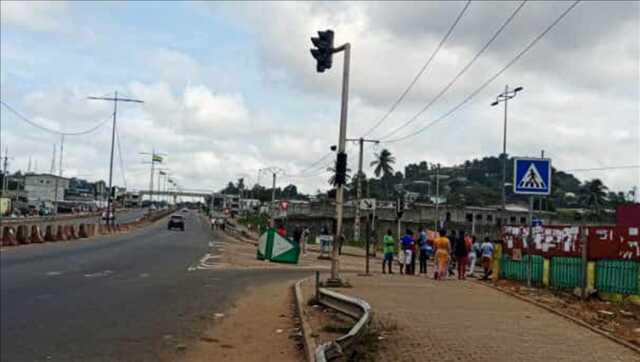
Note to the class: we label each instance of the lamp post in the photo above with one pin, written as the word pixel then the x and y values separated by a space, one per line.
pixel 504 97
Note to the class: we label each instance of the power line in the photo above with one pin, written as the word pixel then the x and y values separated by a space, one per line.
pixel 488 81
pixel 601 168
pixel 424 67
pixel 34 124
pixel 464 70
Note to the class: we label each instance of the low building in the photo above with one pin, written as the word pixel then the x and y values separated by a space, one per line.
pixel 45 188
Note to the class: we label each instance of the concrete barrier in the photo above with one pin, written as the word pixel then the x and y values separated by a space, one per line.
pixel 36 236
pixel 82 231
pixel 22 235
pixel 9 236
pixel 49 234
pixel 61 235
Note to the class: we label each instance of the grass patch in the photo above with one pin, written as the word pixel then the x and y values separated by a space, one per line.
pixel 373 341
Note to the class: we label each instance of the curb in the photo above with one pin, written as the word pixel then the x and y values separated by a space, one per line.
pixel 308 341
pixel 566 316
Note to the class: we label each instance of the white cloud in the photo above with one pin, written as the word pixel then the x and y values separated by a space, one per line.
pixel 35 15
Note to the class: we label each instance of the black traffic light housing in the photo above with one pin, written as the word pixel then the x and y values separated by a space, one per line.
pixel 341 169
pixel 323 51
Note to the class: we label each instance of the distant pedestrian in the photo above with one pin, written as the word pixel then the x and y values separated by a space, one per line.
pixel 297 235
pixel 463 245
pixel 487 257
pixel 388 245
pixel 423 243
pixel 305 240
pixel 408 244
pixel 442 248
pixel 341 241
pixel 453 238
pixel 474 255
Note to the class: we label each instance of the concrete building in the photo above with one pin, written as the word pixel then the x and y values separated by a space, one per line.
pixel 42 188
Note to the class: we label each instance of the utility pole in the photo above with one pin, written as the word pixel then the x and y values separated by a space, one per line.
pixel 504 97
pixel 55 198
pixel 274 171
pixel 115 100
pixel 5 176
pixel 356 220
pixel 437 223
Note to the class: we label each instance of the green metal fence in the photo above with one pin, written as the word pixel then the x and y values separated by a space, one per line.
pixel 566 273
pixel 618 276
pixel 519 270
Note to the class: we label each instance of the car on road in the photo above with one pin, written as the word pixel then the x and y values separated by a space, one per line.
pixel 176 222
pixel 184 210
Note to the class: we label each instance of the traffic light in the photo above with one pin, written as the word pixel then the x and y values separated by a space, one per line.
pixel 341 169
pixel 324 50
pixel 400 207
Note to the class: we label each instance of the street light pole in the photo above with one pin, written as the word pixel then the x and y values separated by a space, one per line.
pixel 115 100
pixel 504 97
pixel 437 224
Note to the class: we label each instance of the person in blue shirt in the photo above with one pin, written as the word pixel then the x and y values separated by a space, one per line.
pixel 425 250
pixel 408 244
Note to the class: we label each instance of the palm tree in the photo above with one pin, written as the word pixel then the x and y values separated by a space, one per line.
pixel 594 193
pixel 383 163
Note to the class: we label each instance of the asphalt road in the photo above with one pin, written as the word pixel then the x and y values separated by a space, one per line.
pixel 127 297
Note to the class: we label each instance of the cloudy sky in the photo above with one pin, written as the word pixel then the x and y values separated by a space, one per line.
pixel 231 87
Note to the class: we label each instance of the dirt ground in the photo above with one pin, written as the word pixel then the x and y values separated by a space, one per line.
pixel 621 319
pixel 260 327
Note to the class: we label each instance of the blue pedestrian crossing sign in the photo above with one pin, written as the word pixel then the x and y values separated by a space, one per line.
pixel 532 176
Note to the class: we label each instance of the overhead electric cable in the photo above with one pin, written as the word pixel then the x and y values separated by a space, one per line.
pixel 419 74
pixel 488 81
pixel 34 124
pixel 464 70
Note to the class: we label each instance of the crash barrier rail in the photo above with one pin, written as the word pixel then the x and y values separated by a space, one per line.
pixel 353 307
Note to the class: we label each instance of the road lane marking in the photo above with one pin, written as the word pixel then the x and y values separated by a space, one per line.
pixel 53 273
pixel 105 273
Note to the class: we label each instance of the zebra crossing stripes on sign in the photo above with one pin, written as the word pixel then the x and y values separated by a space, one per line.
pixel 532 176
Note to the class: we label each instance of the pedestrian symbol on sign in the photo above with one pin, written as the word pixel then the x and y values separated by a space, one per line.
pixel 532 176
pixel 532 179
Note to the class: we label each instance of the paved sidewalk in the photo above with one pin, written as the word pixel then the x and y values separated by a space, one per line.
pixel 464 321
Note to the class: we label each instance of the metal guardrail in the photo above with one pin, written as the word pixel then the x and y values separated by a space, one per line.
pixel 353 307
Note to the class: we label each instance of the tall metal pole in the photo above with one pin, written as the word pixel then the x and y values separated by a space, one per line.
pixel 273 200
pixel 530 242
pixel 437 223
pixel 153 153
pixel 335 277
pixel 55 198
pixel 356 222
pixel 115 101
pixel 504 150
pixel 113 139
pixel 356 219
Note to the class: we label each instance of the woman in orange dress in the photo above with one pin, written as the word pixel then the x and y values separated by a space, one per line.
pixel 443 249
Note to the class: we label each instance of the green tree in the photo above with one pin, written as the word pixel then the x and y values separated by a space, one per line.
pixel 383 163
pixel 593 195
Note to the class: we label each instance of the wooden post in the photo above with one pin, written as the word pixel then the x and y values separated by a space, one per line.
pixel 585 262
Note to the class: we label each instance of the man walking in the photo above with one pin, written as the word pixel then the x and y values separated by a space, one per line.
pixel 389 246
pixel 487 256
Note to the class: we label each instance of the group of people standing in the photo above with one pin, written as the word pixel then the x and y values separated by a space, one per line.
pixel 458 248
